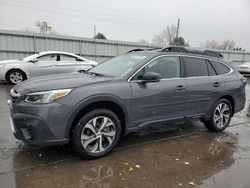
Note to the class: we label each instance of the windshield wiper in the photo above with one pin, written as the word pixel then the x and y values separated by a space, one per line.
pixel 97 74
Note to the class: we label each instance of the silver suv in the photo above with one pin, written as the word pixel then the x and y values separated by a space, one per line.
pixel 92 110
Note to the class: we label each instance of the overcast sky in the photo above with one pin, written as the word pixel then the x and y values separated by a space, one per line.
pixel 131 20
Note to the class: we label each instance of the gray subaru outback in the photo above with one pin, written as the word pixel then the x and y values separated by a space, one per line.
pixel 142 88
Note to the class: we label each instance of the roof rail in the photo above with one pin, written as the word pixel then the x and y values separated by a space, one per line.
pixel 192 51
pixel 135 50
pixel 143 49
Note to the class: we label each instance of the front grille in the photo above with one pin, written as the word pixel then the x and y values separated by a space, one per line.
pixel 14 95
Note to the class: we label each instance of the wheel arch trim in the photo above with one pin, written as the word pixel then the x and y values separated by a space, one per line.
pixel 94 99
pixel 224 95
pixel 19 69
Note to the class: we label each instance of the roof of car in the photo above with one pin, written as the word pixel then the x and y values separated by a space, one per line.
pixel 180 50
pixel 56 52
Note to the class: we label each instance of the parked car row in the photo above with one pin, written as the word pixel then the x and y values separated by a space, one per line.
pixel 41 64
pixel 142 88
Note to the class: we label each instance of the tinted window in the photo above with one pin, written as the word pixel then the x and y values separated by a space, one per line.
pixel 219 67
pixel 211 70
pixel 195 67
pixel 167 67
pixel 50 57
pixel 67 58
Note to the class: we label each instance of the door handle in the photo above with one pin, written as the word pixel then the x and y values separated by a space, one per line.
pixel 217 84
pixel 180 88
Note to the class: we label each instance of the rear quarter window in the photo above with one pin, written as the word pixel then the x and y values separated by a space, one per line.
pixel 219 67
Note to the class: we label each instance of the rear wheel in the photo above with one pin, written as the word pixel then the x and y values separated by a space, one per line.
pixel 220 117
pixel 96 133
pixel 15 76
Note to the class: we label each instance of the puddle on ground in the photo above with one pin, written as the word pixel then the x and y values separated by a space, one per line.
pixel 166 163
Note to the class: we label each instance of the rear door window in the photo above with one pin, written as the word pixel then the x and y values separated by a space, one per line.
pixel 64 57
pixel 219 67
pixel 195 67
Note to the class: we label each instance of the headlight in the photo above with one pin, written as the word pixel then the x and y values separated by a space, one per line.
pixel 46 96
pixel 2 65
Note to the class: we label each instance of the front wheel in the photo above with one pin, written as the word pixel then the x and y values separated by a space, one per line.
pixel 15 76
pixel 220 117
pixel 96 133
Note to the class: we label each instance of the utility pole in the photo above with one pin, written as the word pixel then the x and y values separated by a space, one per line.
pixel 94 30
pixel 178 27
pixel 95 41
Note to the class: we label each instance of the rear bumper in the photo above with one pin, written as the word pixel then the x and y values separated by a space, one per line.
pixel 240 100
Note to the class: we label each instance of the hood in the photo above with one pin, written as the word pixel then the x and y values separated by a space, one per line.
pixel 10 61
pixel 60 81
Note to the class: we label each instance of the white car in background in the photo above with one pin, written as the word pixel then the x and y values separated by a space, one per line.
pixel 41 64
pixel 244 68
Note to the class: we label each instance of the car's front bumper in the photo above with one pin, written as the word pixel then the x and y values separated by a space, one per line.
pixel 39 124
pixel 2 74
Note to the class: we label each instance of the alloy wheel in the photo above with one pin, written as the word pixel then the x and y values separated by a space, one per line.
pixel 221 115
pixel 98 134
pixel 16 77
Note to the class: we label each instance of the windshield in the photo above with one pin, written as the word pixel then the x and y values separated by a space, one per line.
pixel 30 57
pixel 118 66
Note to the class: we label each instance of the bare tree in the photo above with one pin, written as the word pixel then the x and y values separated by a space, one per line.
pixel 166 37
pixel 171 33
pixel 225 45
pixel 42 26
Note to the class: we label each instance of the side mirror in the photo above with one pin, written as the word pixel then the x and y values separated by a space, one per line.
pixel 34 60
pixel 151 77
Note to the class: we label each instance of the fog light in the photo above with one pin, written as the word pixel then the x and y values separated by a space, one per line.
pixel 27 133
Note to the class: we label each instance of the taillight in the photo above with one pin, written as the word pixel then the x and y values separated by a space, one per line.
pixel 244 80
pixel 93 66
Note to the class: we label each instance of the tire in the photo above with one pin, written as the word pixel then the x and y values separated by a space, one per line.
pixel 15 76
pixel 220 117
pixel 90 138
